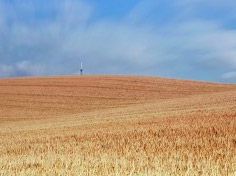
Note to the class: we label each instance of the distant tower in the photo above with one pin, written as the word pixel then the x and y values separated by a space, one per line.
pixel 81 68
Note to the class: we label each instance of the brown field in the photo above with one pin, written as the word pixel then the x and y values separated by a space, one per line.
pixel 116 125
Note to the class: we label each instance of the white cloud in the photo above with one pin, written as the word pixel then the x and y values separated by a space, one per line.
pixel 73 13
pixel 208 2
pixel 6 71
pixel 216 43
pixel 23 68
pixel 139 11
pixel 29 68
pixel 229 76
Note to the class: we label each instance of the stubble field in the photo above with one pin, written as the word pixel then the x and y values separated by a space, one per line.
pixel 116 125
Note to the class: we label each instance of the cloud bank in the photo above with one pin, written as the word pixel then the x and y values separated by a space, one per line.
pixel 229 76
pixel 48 37
pixel 23 68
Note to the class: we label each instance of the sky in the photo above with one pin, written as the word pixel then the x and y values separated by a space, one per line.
pixel 188 39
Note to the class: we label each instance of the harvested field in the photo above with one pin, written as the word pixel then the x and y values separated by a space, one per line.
pixel 116 125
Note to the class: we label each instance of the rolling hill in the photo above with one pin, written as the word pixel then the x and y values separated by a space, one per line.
pixel 116 125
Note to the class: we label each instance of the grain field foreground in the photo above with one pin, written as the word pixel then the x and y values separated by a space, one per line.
pixel 116 125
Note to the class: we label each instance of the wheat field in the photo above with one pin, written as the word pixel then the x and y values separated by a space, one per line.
pixel 116 125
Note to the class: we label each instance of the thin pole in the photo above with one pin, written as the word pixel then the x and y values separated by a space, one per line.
pixel 81 68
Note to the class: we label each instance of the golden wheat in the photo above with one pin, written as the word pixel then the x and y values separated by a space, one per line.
pixel 116 125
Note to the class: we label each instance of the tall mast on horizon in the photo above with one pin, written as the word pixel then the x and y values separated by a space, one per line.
pixel 81 68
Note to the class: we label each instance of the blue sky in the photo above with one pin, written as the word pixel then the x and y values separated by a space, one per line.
pixel 190 39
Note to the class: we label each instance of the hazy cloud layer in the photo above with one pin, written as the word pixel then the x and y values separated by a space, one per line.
pixel 229 76
pixel 49 37
pixel 23 68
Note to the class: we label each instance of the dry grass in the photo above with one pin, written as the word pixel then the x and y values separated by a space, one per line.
pixel 116 125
